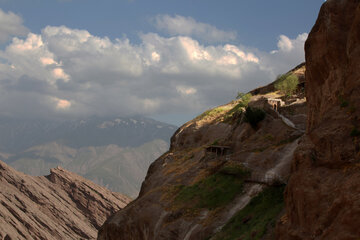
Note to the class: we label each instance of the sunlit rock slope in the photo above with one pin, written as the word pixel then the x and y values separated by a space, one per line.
pixel 217 166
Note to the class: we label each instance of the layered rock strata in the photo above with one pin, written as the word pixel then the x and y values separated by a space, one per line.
pixel 61 205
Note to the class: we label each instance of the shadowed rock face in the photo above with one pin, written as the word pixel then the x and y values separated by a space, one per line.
pixel 61 205
pixel 323 195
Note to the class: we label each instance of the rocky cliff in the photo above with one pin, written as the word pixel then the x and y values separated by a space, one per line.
pixel 222 178
pixel 219 165
pixel 61 205
pixel 323 194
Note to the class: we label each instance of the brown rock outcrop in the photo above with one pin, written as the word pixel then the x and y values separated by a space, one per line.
pixel 61 205
pixel 323 194
pixel 157 215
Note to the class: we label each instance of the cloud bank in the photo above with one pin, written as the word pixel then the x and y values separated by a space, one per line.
pixel 187 26
pixel 11 25
pixel 64 72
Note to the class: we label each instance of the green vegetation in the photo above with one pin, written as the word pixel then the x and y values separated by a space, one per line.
pixel 269 137
pixel 245 98
pixel 252 222
pixel 254 115
pixel 238 109
pixel 212 113
pixel 287 84
pixel 230 112
pixel 355 132
pixel 343 102
pixel 235 111
pixel 214 191
pixel 235 170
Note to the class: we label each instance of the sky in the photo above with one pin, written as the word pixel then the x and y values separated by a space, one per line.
pixel 166 59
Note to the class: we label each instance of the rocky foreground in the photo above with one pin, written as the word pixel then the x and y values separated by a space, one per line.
pixel 61 205
pixel 323 194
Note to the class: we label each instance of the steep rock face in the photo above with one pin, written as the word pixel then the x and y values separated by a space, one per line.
pixel 170 205
pixel 323 194
pixel 61 205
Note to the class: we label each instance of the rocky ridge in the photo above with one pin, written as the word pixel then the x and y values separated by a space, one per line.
pixel 320 167
pixel 192 193
pixel 61 205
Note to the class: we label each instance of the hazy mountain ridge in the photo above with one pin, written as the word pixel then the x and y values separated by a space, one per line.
pixel 113 152
pixel 18 135
pixel 119 169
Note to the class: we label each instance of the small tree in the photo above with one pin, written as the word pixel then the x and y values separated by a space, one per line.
pixel 287 84
pixel 254 115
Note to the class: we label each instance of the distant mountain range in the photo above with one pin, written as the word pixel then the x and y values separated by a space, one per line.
pixel 113 152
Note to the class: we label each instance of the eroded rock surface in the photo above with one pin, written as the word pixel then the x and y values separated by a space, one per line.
pixel 61 205
pixel 323 194
pixel 158 214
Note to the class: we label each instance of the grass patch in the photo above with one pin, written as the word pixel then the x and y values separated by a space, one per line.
pixel 245 98
pixel 212 113
pixel 214 191
pixel 235 111
pixel 238 109
pixel 269 137
pixel 235 170
pixel 355 132
pixel 343 102
pixel 252 222
pixel 287 83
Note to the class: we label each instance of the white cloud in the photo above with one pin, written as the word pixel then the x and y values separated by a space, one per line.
pixel 155 56
pixel 47 61
pixel 72 72
pixel 186 90
pixel 59 73
pixel 32 42
pixel 11 25
pixel 31 57
pixel 187 26
pixel 285 44
pixel 289 52
pixel 61 104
